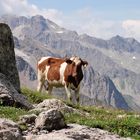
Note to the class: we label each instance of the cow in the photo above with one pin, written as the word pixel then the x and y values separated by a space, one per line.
pixel 58 72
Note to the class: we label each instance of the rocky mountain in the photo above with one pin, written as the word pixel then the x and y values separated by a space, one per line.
pixel 120 62
pixel 116 43
pixel 98 89
pixel 27 73
pixel 113 63
pixel 9 78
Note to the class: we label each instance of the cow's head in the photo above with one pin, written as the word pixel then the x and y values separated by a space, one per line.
pixel 74 70
pixel 77 68
pixel 78 64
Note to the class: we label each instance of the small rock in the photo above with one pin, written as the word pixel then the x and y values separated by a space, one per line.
pixel 56 104
pixel 9 130
pixel 50 120
pixel 43 132
pixel 25 132
pixel 28 119
pixel 35 131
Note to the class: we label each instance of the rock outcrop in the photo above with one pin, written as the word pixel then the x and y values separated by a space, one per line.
pixel 7 56
pixel 9 78
pixel 9 95
pixel 9 130
pixel 54 104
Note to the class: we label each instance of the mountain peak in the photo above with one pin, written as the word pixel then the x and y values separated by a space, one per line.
pixel 38 17
pixel 117 37
pixel 132 40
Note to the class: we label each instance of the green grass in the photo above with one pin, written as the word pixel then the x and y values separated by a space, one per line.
pixel 11 112
pixel 34 96
pixel 14 113
pixel 98 117
pixel 107 119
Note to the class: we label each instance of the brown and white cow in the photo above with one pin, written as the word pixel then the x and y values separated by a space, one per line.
pixel 61 72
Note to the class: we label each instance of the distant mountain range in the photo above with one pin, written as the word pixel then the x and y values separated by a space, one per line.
pixel 113 75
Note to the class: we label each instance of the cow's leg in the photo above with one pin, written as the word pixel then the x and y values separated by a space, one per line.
pixel 49 89
pixel 67 88
pixel 77 94
pixel 46 85
pixel 40 85
pixel 41 80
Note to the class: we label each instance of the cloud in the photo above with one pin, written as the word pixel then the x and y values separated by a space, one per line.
pixel 83 20
pixel 132 28
pixel 14 7
pixel 22 7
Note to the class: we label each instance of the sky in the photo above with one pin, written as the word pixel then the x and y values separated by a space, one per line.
pixel 98 18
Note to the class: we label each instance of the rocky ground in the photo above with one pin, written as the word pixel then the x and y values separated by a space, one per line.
pixel 76 132
pixel 49 124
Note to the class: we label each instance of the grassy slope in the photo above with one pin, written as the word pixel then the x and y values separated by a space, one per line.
pixel 121 122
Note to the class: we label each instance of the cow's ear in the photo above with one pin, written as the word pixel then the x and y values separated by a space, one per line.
pixel 84 63
pixel 68 61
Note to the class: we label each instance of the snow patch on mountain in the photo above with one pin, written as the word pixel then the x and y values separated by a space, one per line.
pixel 60 32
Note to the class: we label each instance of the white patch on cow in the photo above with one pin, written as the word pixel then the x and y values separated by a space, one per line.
pixel 42 59
pixel 76 59
pixel 72 58
pixel 42 76
pixel 61 81
pixel 62 70
pixel 46 72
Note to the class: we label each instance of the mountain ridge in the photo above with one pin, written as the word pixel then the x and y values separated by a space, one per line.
pixel 37 43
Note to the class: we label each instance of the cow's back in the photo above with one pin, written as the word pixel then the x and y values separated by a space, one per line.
pixel 52 68
pixel 49 61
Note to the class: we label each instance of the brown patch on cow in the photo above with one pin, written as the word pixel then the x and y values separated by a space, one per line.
pixel 50 62
pixel 69 72
pixel 54 72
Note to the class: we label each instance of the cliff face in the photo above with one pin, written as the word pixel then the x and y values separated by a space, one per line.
pixel 27 74
pixel 100 90
pixel 7 56
pixel 9 78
